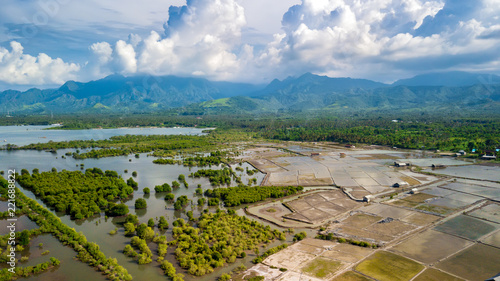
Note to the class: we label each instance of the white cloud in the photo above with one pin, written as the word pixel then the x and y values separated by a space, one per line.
pixel 201 38
pixel 361 38
pixel 19 68
pixel 125 57
pixel 377 39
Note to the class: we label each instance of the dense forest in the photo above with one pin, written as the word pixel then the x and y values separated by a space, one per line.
pixel 450 135
pixel 78 194
pixel 405 130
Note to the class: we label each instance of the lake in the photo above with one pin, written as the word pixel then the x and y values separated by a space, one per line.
pixel 24 135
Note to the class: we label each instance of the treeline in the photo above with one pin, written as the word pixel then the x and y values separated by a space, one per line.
pixel 214 159
pixel 216 177
pixel 269 252
pixel 165 161
pixel 235 196
pixel 218 239
pixel 331 237
pixel 88 252
pixel 202 161
pixel 78 194
pixel 128 144
pixel 27 271
pixel 401 129
pixel 441 134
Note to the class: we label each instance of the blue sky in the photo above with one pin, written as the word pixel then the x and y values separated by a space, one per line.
pixel 44 43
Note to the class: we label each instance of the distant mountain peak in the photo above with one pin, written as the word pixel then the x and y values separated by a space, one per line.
pixel 449 79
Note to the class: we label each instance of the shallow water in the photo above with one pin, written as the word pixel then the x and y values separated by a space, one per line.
pixel 97 229
pixel 480 172
pixel 24 135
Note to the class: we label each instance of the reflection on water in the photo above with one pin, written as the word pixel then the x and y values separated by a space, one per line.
pixel 69 269
pixel 97 229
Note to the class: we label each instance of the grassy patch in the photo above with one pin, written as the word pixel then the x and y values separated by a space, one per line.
pixel 216 103
pixel 388 266
pixel 431 274
pixel 419 197
pixel 321 267
pixel 351 276
pixel 435 209
pixel 271 210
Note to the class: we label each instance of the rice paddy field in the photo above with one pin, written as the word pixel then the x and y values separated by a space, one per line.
pixel 493 239
pixel 480 172
pixel 388 266
pixel 321 267
pixel 353 170
pixel 467 227
pixel 430 246
pixel 448 231
pixel 351 276
pixel 432 274
pixel 489 212
pixel 478 262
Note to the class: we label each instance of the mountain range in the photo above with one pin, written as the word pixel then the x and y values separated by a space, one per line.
pixel 116 93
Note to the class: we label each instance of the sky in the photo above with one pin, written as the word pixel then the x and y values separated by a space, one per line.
pixel 44 43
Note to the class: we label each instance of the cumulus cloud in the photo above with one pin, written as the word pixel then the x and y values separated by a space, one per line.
pixel 378 39
pixel 19 68
pixel 200 38
pixel 360 38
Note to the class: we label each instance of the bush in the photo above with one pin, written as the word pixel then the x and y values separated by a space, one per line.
pixel 117 210
pixel 140 204
pixel 224 277
pixel 299 236
pixel 163 223
pixel 151 222
pixel 163 188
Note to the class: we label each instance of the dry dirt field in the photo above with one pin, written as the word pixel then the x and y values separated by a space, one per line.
pixel 313 259
pixel 321 206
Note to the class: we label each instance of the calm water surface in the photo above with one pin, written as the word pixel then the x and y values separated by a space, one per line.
pixel 24 135
pixel 97 229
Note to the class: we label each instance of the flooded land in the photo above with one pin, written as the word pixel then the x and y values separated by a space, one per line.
pixel 365 215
